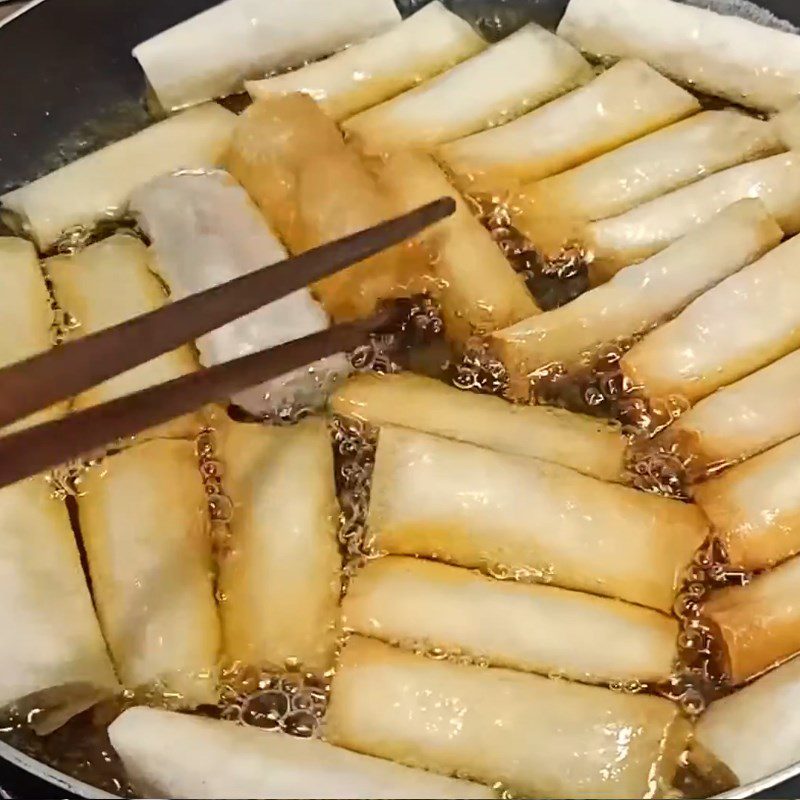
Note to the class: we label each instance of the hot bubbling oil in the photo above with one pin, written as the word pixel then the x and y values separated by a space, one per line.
pixel 295 703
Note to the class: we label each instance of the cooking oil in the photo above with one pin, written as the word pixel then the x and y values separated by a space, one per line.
pixel 294 702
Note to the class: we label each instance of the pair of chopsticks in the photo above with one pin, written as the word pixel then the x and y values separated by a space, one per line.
pixel 70 369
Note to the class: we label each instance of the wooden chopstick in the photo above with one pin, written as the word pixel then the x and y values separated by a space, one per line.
pixel 32 451
pixel 73 368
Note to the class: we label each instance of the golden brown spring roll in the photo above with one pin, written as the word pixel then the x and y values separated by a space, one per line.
pixel 180 755
pixel 481 509
pixel 430 41
pixel 480 291
pixel 643 170
pixel 723 55
pixel 104 285
pixel 539 629
pixel 99 185
pixel 313 188
pixel 25 309
pixel 745 418
pixel 144 521
pixel 281 576
pixel 755 731
pixel 538 737
pixel 52 639
pixel 617 242
pixel 513 76
pixel 643 295
pixel 629 100
pixel 758 625
pixel 271 141
pixel 742 324
pixel 755 507
pixel 583 443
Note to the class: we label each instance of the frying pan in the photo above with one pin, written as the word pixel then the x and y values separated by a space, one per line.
pixel 70 85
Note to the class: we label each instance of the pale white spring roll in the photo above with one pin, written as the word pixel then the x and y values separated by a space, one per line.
pixel 755 507
pixel 280 576
pixel 482 509
pixel 291 159
pixel 755 731
pixel 629 100
pixel 787 126
pixel 745 418
pixel 98 186
pixel 721 55
pixel 542 629
pixel 205 230
pixel 27 316
pixel 642 170
pixel 743 323
pixel 513 76
pixel 144 521
pixel 480 292
pixel 619 241
pixel 643 295
pixel 536 736
pixel 427 43
pixel 26 313
pixel 585 444
pixel 104 285
pixel 757 626
pixel 212 54
pixel 177 755
pixel 52 639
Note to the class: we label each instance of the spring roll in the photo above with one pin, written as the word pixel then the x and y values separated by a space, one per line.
pixel 583 443
pixel 104 285
pixel 633 236
pixel 755 507
pixel 28 318
pixel 538 737
pixel 205 230
pixel 757 626
pixel 313 188
pixel 721 55
pixel 520 73
pixel 481 509
pixel 144 522
pixel 628 101
pixel 52 639
pixel 480 292
pixel 787 127
pixel 643 295
pixel 755 731
pixel 530 628
pixel 427 43
pixel 643 170
pixel 212 54
pixel 281 576
pixel 26 304
pixel 98 185
pixel 745 418
pixel 747 321
pixel 177 755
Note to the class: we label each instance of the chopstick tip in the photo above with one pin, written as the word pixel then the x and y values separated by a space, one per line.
pixel 445 207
